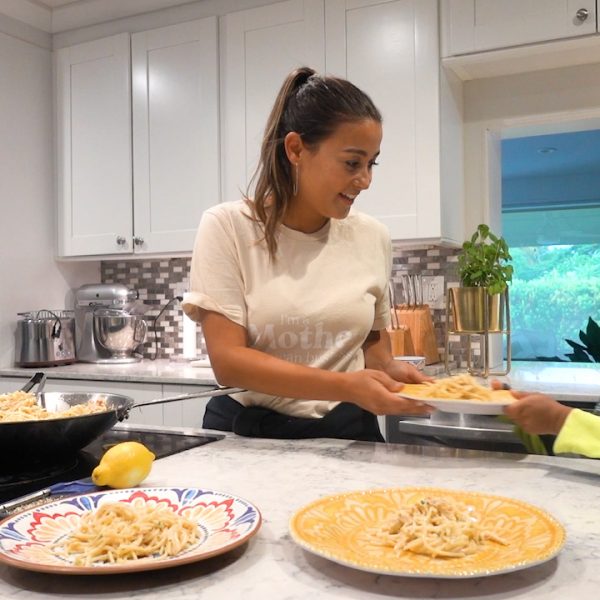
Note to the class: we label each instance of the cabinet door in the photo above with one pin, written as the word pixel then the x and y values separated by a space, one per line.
pixel 476 25
pixel 390 50
pixel 183 413
pixel 175 128
pixel 94 147
pixel 259 48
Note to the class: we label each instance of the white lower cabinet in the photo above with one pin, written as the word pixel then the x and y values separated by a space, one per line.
pixel 183 413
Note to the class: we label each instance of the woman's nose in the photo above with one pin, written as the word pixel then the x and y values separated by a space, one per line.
pixel 363 181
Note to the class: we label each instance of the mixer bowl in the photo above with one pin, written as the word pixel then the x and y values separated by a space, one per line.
pixel 118 332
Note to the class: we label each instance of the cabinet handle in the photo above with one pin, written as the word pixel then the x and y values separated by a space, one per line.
pixel 121 241
pixel 138 241
pixel 582 14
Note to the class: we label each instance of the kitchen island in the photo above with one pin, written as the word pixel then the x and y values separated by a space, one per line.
pixel 282 476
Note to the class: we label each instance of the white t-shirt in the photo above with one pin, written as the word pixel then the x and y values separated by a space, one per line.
pixel 314 305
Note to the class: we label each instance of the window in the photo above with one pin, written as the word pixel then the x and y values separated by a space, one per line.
pixel 551 221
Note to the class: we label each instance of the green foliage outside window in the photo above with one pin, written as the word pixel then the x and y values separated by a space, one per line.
pixel 554 292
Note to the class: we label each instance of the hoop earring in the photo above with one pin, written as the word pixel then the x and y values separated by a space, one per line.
pixel 295 182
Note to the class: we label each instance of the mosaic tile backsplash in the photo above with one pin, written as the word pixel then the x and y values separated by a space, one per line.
pixel 160 281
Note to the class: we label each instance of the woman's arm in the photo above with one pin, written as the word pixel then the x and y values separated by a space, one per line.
pixel 237 365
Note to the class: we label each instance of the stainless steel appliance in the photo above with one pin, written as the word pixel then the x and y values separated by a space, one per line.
pixel 473 432
pixel 107 326
pixel 45 338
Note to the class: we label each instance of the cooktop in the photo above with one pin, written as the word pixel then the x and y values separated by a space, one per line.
pixel 18 479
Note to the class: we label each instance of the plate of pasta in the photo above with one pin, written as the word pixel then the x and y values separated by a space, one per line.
pixel 428 532
pixel 120 531
pixel 459 394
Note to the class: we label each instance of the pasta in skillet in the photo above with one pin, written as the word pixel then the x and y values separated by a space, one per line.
pixel 118 532
pixel 23 406
pixel 436 527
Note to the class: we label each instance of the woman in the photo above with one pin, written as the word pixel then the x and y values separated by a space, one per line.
pixel 291 287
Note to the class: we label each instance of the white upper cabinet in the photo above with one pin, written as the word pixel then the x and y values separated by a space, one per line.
pixel 259 47
pixel 478 25
pixel 390 49
pixel 94 147
pixel 175 133
pixel 109 202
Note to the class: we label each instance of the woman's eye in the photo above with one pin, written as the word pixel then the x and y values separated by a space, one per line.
pixel 372 164
pixel 352 164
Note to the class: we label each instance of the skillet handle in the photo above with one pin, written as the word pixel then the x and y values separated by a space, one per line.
pixel 38 378
pixel 220 391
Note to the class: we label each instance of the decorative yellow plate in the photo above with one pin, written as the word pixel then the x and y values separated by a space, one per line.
pixel 335 527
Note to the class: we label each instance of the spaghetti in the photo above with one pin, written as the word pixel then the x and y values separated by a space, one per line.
pixel 23 406
pixel 435 527
pixel 118 532
pixel 459 387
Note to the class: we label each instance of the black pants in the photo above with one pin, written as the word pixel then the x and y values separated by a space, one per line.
pixel 346 421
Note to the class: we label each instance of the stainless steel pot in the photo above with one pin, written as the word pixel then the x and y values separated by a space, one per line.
pixel 29 440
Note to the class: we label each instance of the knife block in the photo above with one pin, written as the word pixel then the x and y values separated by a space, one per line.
pixel 401 340
pixel 420 324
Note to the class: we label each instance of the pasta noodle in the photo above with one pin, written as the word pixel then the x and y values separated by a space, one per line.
pixel 435 527
pixel 459 387
pixel 23 406
pixel 118 532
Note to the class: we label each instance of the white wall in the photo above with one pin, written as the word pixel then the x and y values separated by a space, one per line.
pixel 30 278
pixel 544 102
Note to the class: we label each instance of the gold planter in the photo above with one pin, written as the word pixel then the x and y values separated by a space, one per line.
pixel 469 310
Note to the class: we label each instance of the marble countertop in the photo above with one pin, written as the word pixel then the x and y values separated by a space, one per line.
pixel 565 381
pixel 145 371
pixel 282 476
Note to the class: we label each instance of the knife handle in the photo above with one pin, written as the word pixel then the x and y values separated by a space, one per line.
pixel 11 505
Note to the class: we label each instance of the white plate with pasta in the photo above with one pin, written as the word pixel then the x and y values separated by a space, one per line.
pixel 120 531
pixel 428 532
pixel 459 394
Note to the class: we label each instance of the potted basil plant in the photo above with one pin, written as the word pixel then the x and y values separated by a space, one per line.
pixel 484 272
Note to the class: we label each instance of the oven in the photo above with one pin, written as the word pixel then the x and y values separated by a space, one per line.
pixel 473 432
pixel 24 477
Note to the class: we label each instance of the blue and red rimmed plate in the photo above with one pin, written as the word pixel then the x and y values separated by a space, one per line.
pixel 224 522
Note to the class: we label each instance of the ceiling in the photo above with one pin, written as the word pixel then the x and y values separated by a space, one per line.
pixel 554 154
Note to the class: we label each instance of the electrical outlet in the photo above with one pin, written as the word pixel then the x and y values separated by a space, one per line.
pixel 433 291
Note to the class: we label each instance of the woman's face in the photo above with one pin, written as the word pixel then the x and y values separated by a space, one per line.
pixel 331 175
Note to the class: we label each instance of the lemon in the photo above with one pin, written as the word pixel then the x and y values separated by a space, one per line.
pixel 124 465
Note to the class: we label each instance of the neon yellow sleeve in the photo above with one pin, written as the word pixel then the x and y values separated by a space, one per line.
pixel 580 435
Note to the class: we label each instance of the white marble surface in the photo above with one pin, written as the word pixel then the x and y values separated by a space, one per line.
pixel 565 381
pixel 282 476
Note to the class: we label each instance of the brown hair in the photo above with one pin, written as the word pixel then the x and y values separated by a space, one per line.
pixel 313 106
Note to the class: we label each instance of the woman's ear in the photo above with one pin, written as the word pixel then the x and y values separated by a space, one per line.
pixel 293 146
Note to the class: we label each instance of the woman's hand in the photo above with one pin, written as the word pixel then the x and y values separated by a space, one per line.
pixel 536 413
pixel 374 390
pixel 405 372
